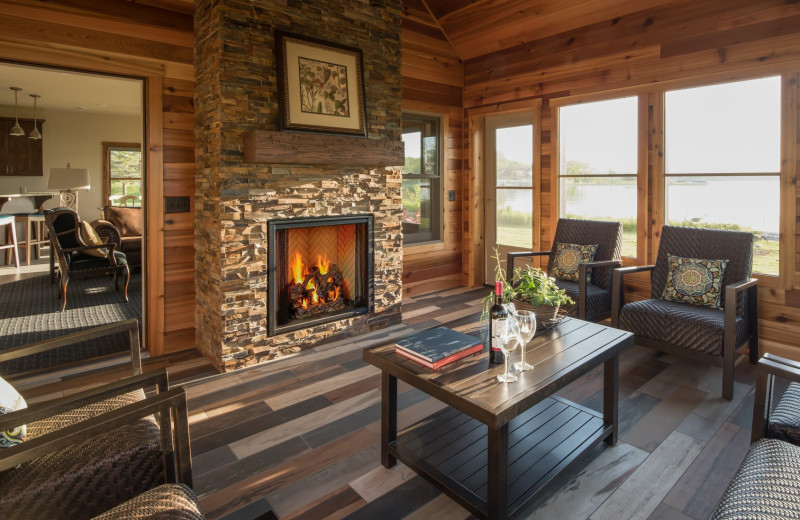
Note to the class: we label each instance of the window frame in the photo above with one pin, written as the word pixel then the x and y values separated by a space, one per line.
pixel 641 175
pixel 787 192
pixel 108 147
pixel 437 194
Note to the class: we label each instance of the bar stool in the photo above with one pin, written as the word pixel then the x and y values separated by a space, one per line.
pixel 11 237
pixel 34 234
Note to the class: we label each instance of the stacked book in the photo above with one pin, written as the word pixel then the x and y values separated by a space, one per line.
pixel 435 348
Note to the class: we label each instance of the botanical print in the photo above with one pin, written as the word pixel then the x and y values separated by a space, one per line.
pixel 323 88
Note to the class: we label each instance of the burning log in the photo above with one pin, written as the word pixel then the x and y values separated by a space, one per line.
pixel 319 292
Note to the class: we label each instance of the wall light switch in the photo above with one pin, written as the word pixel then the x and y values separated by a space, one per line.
pixel 451 195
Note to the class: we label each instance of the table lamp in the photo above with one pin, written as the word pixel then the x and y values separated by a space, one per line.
pixel 67 180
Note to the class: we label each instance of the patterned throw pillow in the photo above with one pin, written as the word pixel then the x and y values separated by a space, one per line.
pixel 91 238
pixel 569 257
pixel 694 280
pixel 10 401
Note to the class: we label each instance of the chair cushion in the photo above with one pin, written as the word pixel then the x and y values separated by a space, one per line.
pixel 81 262
pixel 569 257
pixel 694 280
pixel 87 478
pixel 598 300
pixel 10 401
pixel 784 421
pixel 91 238
pixel 127 220
pixel 696 328
pixel 765 486
pixel 165 502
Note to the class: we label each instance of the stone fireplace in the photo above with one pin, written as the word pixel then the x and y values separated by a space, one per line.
pixel 241 203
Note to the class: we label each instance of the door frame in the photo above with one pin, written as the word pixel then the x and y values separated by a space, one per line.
pixel 152 77
pixel 475 237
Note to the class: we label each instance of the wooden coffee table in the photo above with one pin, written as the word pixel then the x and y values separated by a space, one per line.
pixel 498 445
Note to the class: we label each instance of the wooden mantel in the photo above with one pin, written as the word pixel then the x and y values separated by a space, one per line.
pixel 262 146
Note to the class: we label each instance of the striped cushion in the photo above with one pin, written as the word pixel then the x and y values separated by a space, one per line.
pixel 784 421
pixel 165 502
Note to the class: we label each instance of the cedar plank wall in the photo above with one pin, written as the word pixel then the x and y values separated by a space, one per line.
pixel 432 83
pixel 119 36
pixel 671 42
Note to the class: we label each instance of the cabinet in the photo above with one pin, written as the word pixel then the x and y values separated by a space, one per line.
pixel 20 155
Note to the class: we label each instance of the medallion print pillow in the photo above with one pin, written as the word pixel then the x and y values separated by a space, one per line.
pixel 10 401
pixel 694 280
pixel 569 257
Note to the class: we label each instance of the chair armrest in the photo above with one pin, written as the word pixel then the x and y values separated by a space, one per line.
pixel 36 412
pixel 583 275
pixel 170 409
pixel 732 292
pixel 131 326
pixel 600 263
pixel 617 293
pixel 107 230
pixel 769 367
pixel 517 254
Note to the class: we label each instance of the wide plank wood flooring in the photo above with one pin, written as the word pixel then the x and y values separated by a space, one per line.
pixel 302 432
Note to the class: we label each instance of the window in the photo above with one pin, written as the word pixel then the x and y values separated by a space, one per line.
pixel 722 161
pixel 598 163
pixel 421 178
pixel 122 165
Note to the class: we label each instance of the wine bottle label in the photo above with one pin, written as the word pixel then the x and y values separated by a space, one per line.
pixel 494 343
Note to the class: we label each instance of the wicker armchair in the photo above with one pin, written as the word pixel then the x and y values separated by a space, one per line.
pixel 702 333
pixel 593 300
pixel 91 451
pixel 765 485
pixel 75 258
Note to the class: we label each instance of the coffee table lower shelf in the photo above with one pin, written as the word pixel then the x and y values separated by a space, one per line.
pixel 449 448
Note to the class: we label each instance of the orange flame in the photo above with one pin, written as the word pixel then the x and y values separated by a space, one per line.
pixel 324 264
pixel 297 268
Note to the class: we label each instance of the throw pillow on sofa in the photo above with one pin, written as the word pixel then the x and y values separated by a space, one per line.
pixel 11 401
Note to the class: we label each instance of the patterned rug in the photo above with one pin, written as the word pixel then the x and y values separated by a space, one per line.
pixel 29 312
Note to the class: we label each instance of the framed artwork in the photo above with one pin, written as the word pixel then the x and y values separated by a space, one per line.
pixel 321 86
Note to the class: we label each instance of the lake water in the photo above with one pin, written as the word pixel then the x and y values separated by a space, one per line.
pixel 751 202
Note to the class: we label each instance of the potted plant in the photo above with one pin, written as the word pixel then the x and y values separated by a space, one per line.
pixel 529 288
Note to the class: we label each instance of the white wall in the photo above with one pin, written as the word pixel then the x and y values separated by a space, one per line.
pixel 75 137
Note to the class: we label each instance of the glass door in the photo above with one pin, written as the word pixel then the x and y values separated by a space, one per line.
pixel 509 187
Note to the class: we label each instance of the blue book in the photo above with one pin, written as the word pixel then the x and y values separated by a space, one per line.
pixel 433 345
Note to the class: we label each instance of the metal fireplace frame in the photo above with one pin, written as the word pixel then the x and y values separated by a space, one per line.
pixel 275 225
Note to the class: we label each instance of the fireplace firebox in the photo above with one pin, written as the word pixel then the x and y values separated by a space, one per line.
pixel 320 270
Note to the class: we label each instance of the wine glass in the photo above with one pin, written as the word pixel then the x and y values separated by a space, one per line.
pixel 527 329
pixel 507 340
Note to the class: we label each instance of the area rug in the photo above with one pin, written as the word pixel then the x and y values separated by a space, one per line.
pixel 29 312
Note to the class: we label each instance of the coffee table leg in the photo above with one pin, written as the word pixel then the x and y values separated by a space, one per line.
pixel 611 397
pixel 388 417
pixel 497 485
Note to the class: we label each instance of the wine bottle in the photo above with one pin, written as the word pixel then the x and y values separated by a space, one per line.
pixel 497 312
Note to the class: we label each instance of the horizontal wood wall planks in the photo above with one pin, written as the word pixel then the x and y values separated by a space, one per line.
pixel 263 146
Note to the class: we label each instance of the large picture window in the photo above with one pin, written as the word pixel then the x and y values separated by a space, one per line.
pixel 722 161
pixel 421 178
pixel 598 164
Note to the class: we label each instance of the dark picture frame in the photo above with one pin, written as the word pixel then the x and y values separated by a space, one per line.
pixel 321 86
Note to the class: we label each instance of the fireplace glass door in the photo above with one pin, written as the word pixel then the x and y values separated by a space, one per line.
pixel 320 270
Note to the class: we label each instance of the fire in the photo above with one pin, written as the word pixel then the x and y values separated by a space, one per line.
pixel 323 264
pixel 297 268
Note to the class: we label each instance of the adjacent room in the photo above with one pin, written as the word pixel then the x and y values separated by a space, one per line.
pixel 399 259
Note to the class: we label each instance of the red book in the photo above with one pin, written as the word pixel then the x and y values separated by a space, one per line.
pixel 442 362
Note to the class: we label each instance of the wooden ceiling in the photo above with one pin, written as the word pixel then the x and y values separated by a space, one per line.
pixel 478 27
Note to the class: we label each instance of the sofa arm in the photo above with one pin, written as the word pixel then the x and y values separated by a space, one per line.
pixel 732 293
pixel 170 410
pixel 617 293
pixel 768 368
pixel 583 275
pixel 131 326
pixel 107 231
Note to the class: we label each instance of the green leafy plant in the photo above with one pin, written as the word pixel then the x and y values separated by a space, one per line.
pixel 529 284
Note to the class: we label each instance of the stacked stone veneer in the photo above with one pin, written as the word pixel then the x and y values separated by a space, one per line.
pixel 236 90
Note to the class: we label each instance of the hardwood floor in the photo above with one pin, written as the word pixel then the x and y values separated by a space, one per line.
pixel 302 432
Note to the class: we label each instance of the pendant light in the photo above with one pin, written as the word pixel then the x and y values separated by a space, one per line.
pixel 35 133
pixel 16 129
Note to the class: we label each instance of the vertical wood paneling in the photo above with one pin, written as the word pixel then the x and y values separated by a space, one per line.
pixel 432 82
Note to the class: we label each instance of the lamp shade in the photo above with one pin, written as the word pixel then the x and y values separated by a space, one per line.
pixel 68 179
